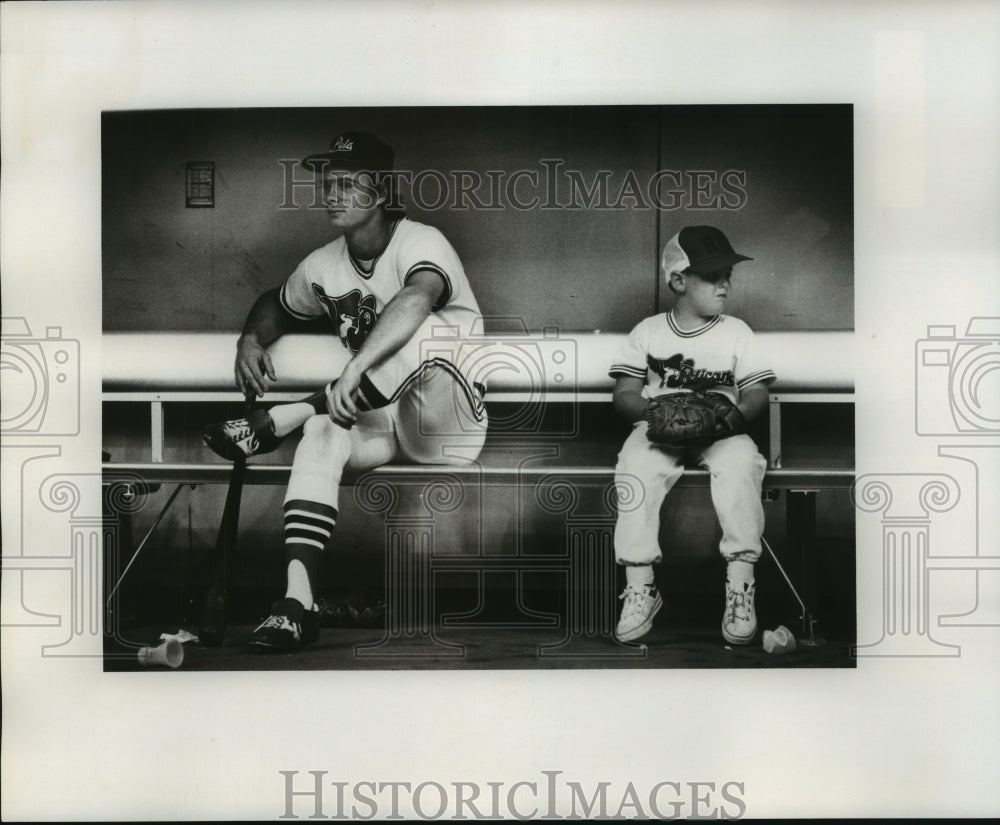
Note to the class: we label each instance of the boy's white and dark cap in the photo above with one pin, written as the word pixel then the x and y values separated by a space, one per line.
pixel 353 152
pixel 699 249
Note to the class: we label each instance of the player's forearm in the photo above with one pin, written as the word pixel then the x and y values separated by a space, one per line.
pixel 630 405
pixel 753 401
pixel 397 324
pixel 267 320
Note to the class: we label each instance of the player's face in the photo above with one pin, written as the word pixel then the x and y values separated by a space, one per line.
pixel 349 198
pixel 707 294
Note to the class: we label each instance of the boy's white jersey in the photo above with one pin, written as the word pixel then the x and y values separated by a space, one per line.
pixel 719 356
pixel 354 293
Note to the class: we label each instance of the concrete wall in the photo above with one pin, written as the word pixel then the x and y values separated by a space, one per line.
pixel 777 179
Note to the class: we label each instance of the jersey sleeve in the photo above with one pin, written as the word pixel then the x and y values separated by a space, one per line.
pixel 631 358
pixel 426 248
pixel 749 368
pixel 297 296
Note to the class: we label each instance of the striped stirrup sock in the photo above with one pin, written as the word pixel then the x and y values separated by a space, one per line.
pixel 308 527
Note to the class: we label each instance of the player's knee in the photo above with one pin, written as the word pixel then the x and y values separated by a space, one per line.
pixel 750 456
pixel 319 433
pixel 316 428
pixel 630 458
pixel 736 457
pixel 741 447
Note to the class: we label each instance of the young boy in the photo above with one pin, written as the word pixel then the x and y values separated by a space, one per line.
pixel 692 348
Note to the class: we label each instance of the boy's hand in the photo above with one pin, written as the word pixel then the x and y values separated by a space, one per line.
pixel 692 419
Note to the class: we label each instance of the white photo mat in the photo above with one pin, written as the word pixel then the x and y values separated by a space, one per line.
pixel 906 735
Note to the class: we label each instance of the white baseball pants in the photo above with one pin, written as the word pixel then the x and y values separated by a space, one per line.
pixel 435 416
pixel 646 473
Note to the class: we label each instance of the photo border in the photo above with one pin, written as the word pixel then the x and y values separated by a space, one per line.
pixel 880 740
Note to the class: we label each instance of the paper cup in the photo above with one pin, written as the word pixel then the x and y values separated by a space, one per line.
pixel 780 640
pixel 170 654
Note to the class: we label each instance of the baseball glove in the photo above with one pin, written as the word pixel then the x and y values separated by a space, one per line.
pixel 692 419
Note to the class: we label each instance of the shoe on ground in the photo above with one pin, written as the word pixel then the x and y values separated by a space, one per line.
pixel 739 622
pixel 642 603
pixel 248 436
pixel 288 627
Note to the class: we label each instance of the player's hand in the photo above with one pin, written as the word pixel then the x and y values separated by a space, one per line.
pixel 340 397
pixel 253 367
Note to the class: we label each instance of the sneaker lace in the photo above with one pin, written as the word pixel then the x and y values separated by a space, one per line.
pixel 635 598
pixel 241 433
pixel 239 429
pixel 738 604
pixel 275 622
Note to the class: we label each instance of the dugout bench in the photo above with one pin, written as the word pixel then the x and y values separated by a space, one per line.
pixel 527 374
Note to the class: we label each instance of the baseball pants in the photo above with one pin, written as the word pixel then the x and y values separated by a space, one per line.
pixel 647 472
pixel 427 412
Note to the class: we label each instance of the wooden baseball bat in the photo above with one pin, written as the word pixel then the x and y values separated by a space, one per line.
pixel 213 621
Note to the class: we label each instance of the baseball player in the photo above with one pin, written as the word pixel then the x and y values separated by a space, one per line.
pixel 695 354
pixel 384 284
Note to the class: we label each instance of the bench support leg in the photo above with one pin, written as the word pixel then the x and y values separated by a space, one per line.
pixel 801 520
pixel 807 633
pixel 145 538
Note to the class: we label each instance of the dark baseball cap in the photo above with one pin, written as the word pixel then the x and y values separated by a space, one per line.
pixel 699 249
pixel 353 152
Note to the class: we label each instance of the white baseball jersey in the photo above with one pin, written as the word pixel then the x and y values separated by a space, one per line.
pixel 717 356
pixel 353 293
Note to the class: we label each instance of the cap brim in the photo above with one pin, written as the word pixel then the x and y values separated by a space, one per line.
pixel 325 160
pixel 717 262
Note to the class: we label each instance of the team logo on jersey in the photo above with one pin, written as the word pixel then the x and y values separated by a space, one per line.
pixel 678 372
pixel 353 315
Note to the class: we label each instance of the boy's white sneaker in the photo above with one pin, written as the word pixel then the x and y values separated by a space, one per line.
pixel 739 622
pixel 642 603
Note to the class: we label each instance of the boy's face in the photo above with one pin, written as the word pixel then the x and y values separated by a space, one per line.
pixel 706 295
pixel 349 198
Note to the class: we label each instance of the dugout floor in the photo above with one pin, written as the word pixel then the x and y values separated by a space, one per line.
pixel 685 634
pixel 666 646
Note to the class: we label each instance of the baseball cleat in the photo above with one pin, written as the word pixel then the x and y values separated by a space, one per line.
pixel 248 436
pixel 289 627
pixel 642 603
pixel 739 622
